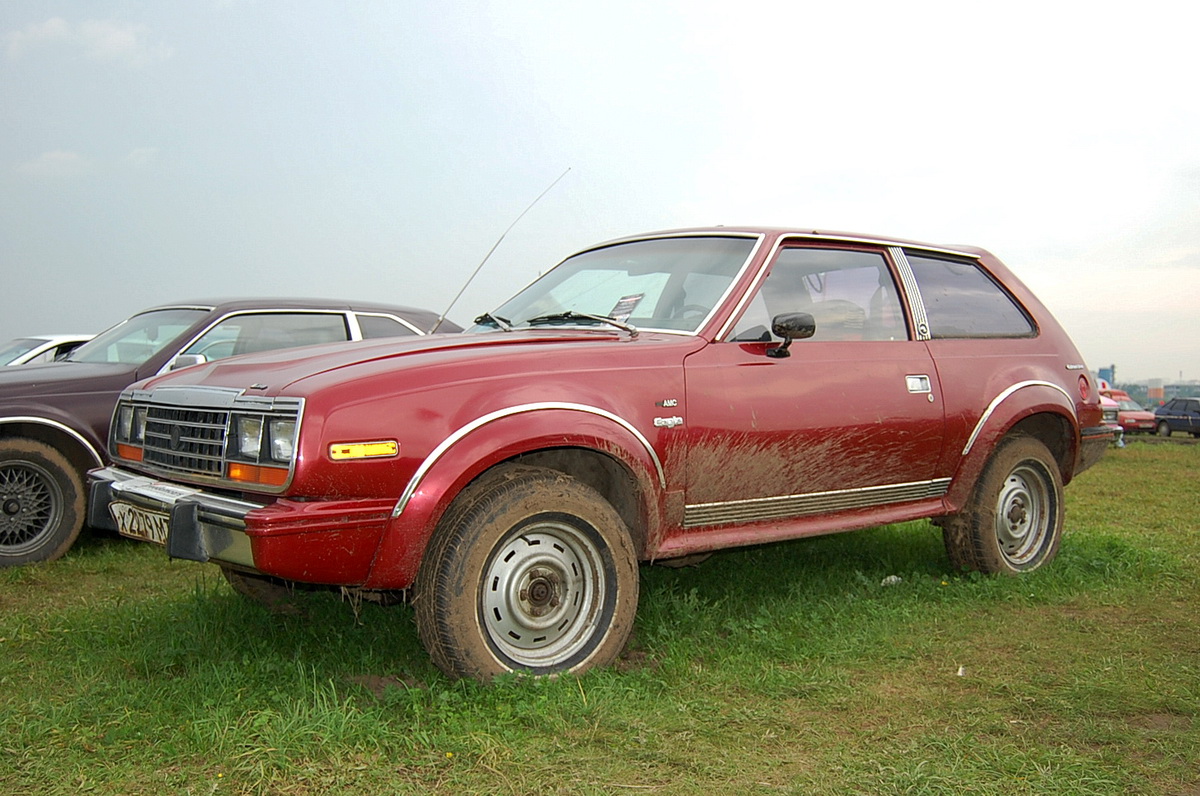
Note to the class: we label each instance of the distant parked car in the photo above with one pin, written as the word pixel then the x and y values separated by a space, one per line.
pixel 40 348
pixel 1111 412
pixel 54 417
pixel 1131 416
pixel 1178 414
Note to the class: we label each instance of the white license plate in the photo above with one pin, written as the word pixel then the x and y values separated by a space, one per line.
pixel 149 526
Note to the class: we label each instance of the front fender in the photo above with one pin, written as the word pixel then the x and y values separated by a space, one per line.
pixel 492 440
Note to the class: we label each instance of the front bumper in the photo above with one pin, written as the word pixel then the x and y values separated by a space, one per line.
pixel 199 526
pixel 329 542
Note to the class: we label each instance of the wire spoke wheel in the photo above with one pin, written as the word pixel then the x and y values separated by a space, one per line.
pixel 31 504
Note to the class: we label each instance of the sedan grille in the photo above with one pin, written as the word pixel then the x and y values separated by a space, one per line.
pixel 186 440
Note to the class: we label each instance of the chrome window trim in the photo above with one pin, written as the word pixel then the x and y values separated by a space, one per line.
pixel 916 304
pixel 479 422
pixel 730 512
pixel 987 413
pixel 59 426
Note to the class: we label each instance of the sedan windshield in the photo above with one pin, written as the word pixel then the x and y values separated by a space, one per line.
pixel 16 348
pixel 134 341
pixel 670 284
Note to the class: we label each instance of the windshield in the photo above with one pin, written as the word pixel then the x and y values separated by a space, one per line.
pixel 1130 405
pixel 139 338
pixel 14 348
pixel 661 284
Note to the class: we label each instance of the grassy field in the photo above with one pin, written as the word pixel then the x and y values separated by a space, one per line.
pixel 785 669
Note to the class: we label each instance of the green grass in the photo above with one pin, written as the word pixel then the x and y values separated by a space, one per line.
pixel 784 669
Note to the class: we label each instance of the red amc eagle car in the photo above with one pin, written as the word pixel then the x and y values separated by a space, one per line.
pixel 654 397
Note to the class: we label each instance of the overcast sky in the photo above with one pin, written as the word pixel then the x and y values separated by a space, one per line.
pixel 156 151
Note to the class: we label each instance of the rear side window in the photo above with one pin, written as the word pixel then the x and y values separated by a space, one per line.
pixel 961 300
pixel 373 326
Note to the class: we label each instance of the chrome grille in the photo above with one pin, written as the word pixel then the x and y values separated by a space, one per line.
pixel 186 440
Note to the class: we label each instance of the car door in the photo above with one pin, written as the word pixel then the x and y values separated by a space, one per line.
pixel 851 419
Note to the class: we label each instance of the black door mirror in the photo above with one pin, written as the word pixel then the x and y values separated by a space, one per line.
pixel 791 326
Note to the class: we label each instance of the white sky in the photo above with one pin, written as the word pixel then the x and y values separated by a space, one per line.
pixel 156 151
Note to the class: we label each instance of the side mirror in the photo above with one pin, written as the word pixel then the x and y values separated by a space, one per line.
pixel 791 326
pixel 187 360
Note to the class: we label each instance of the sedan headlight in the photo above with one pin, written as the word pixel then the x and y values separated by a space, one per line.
pixel 131 423
pixel 247 437
pixel 282 439
pixel 262 439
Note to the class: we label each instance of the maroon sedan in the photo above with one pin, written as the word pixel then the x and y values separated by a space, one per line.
pixel 54 417
pixel 651 398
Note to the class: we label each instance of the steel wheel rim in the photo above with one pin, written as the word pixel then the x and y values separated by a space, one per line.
pixel 1023 514
pixel 542 591
pixel 30 506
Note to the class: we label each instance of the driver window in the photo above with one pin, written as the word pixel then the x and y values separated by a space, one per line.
pixel 850 294
pixel 249 333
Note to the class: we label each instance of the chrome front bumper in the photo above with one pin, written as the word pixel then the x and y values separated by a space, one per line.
pixel 200 526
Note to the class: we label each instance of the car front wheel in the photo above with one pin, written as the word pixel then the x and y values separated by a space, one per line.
pixel 1013 521
pixel 1163 429
pixel 41 503
pixel 531 571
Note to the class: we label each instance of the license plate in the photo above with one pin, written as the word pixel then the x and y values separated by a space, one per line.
pixel 149 526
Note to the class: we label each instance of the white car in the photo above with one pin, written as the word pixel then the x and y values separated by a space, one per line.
pixel 40 348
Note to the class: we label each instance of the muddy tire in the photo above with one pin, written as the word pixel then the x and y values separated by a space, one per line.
pixel 530 571
pixel 1013 521
pixel 41 503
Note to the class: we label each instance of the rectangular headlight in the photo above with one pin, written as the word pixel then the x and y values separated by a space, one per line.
pixel 131 423
pixel 282 439
pixel 247 437
pixel 124 422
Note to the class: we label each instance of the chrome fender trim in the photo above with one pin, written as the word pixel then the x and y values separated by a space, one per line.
pixel 987 413
pixel 61 427
pixel 479 422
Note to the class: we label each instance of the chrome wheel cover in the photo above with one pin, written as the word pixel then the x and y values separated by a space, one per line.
pixel 542 590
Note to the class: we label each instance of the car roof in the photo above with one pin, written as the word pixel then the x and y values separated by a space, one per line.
pixel 801 232
pixel 421 318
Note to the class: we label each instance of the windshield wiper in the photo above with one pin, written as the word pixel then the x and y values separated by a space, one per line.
pixel 571 315
pixel 495 320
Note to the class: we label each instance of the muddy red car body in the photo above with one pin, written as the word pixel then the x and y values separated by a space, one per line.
pixel 690 390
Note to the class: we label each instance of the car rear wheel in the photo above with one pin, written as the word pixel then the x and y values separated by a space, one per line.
pixel 531 571
pixel 1163 429
pixel 1013 521
pixel 41 503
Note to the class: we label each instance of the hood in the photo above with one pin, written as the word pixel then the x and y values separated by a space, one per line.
pixel 273 372
pixel 63 378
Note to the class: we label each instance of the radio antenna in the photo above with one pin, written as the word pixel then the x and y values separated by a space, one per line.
pixel 495 245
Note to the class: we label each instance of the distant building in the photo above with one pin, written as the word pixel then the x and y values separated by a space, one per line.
pixel 1181 389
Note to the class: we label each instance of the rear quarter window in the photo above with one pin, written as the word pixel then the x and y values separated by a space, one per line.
pixel 962 300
